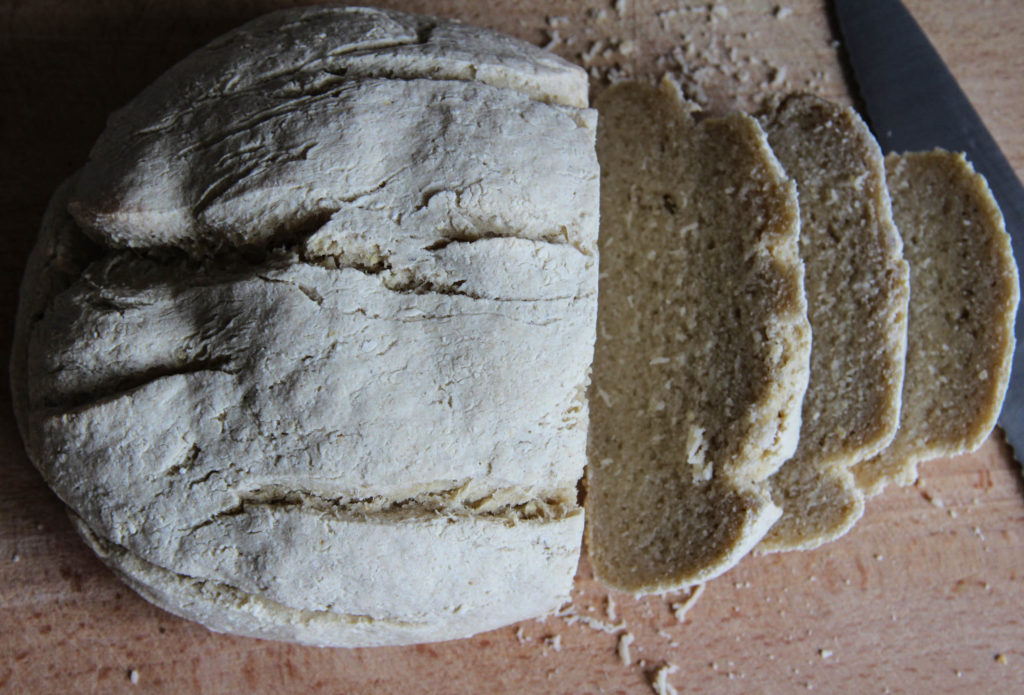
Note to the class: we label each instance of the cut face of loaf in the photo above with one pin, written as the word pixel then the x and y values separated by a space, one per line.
pixel 963 301
pixel 703 343
pixel 304 347
pixel 857 292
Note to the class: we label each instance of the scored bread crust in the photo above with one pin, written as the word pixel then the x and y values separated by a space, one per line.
pixel 186 165
pixel 310 336
pixel 703 342
pixel 963 301
pixel 855 277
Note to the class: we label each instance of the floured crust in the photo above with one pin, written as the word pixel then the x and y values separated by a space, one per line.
pixel 185 165
pixel 857 287
pixel 311 401
pixel 703 342
pixel 963 301
pixel 509 560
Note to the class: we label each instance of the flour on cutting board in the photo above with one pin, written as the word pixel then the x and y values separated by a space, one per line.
pixel 645 626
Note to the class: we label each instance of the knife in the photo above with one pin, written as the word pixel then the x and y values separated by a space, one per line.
pixel 913 103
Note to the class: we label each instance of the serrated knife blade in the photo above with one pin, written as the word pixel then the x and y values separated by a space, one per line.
pixel 914 103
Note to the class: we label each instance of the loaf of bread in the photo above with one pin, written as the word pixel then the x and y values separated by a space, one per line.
pixel 963 300
pixel 304 346
pixel 703 345
pixel 857 291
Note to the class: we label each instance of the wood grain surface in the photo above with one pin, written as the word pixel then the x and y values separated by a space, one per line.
pixel 925 595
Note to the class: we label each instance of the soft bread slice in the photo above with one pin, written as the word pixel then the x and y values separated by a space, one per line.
pixel 703 346
pixel 963 299
pixel 857 291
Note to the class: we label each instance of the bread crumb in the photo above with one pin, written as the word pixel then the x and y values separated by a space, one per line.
pixel 521 636
pixel 133 676
pixel 932 499
pixel 782 12
pixel 571 617
pixel 553 642
pixel 622 648
pixel 825 653
pixel 659 679
pixel 681 609
pixel 1001 659
pixel 593 51
pixel 609 608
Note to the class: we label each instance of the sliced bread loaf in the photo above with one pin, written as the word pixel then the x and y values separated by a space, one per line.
pixel 857 291
pixel 703 345
pixel 963 300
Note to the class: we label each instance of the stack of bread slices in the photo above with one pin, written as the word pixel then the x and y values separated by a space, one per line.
pixel 787 322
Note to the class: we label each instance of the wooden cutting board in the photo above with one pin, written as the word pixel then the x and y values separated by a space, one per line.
pixel 926 594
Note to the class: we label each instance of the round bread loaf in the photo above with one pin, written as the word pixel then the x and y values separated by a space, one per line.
pixel 304 346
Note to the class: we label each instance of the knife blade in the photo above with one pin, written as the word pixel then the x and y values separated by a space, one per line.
pixel 914 103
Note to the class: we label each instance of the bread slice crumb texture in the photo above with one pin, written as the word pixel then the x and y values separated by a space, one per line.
pixel 857 287
pixel 703 341
pixel 963 299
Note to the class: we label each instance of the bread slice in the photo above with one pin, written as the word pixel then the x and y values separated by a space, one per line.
pixel 857 292
pixel 963 299
pixel 703 342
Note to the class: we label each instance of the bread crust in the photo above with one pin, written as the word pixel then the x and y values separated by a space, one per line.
pixel 309 336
